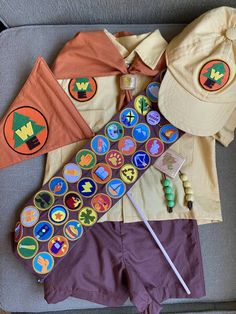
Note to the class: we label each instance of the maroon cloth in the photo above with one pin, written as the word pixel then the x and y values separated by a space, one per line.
pixel 118 260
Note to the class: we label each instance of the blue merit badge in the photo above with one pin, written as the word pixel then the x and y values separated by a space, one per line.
pixel 43 231
pixel 168 133
pixel 87 187
pixel 152 91
pixel 129 117
pixel 43 263
pixel 100 144
pixel 141 160
pixel 58 186
pixel 114 131
pixel 58 214
pixel 73 230
pixel 141 132
pixel 115 188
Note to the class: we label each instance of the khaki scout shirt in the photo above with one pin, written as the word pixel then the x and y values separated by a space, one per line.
pixel 98 107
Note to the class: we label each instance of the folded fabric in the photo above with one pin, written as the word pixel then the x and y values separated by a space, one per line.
pixel 91 183
pixel 40 119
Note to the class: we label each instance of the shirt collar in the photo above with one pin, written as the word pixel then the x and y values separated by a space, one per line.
pixel 149 47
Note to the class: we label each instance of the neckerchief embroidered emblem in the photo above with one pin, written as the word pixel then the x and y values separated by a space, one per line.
pixel 82 88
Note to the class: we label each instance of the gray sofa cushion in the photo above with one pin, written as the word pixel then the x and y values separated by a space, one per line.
pixel 19 291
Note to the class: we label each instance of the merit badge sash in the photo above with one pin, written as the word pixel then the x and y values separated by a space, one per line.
pixel 54 220
pixel 41 118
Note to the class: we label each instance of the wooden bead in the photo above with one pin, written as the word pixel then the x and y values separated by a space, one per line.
pixel 184 177
pixel 189 197
pixel 189 191
pixel 187 184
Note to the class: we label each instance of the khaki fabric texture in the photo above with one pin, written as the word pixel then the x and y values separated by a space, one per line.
pixel 200 165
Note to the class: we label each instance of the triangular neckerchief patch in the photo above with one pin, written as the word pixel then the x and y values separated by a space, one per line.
pixel 54 220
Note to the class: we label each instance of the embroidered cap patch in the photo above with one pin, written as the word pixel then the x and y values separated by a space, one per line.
pixel 214 75
pixel 26 130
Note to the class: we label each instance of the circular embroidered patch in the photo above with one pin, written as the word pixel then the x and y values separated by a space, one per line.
pixel 58 186
pixel 153 117
pixel 141 132
pixel 101 202
pixel 58 246
pixel 152 91
pixel 100 144
pixel 141 160
pixel 29 216
pixel 114 159
pixel 169 133
pixel 72 173
pixel 25 130
pixel 18 232
pixel 87 187
pixel 43 263
pixel 82 88
pixel 142 105
pixel 27 247
pixel 114 131
pixel 43 231
pixel 155 147
pixel 128 173
pixel 73 230
pixel 115 188
pixel 101 173
pixel 43 200
pixel 214 75
pixel 58 214
pixel 73 201
pixel 86 159
pixel 87 216
pixel 127 145
pixel 129 117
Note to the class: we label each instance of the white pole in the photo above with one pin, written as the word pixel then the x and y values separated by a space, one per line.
pixel 141 213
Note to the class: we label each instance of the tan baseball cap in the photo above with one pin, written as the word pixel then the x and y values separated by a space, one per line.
pixel 198 92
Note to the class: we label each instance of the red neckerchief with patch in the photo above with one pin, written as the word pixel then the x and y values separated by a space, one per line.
pixel 56 217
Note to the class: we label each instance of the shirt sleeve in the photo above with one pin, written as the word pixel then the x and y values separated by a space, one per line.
pixel 226 135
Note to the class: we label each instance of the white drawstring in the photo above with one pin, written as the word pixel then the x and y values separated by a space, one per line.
pixel 141 213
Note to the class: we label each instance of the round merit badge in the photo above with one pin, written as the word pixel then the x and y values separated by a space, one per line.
pixel 153 117
pixel 100 144
pixel 25 130
pixel 169 133
pixel 73 230
pixel 129 117
pixel 101 202
pixel 87 187
pixel 43 200
pixel 29 216
pixel 73 200
pixel 114 131
pixel 43 231
pixel 72 172
pixel 82 88
pixel 214 75
pixel 27 247
pixel 86 159
pixel 152 91
pixel 128 173
pixel 115 188
pixel 101 173
pixel 155 147
pixel 127 145
pixel 142 104
pixel 58 214
pixel 58 186
pixel 141 132
pixel 114 159
pixel 43 263
pixel 141 160
pixel 58 246
pixel 18 232
pixel 87 216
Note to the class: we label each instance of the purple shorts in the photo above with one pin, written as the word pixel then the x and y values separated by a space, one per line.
pixel 116 260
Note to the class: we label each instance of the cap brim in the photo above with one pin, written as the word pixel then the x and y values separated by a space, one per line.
pixel 188 113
